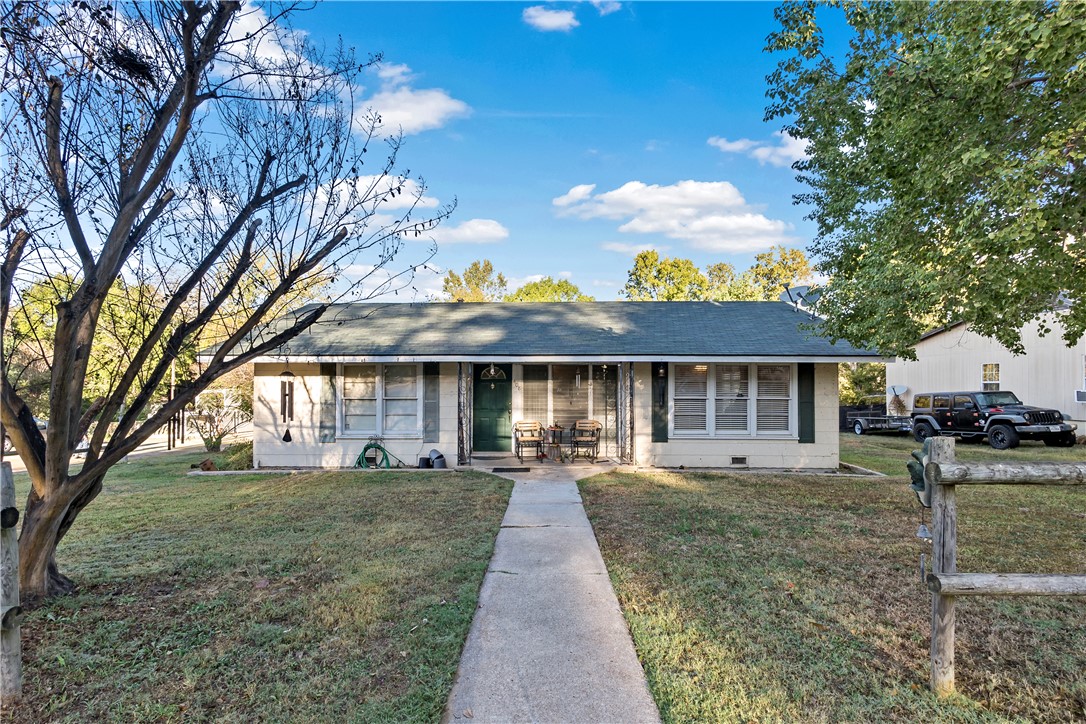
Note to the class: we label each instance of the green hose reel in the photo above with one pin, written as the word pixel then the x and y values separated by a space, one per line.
pixel 380 461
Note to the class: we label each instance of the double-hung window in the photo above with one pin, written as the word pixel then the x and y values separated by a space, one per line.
pixel 989 377
pixel 380 399
pixel 728 400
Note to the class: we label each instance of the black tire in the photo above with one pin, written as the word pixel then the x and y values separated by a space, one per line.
pixel 1063 439
pixel 1002 437
pixel 858 428
pixel 922 431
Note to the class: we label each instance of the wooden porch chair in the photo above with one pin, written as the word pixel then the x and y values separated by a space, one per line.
pixel 585 439
pixel 528 434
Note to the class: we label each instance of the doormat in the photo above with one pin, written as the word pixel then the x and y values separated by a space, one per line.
pixel 511 470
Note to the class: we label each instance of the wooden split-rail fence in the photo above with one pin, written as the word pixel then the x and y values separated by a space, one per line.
pixel 942 473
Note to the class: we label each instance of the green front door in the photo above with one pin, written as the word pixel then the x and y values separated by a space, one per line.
pixel 492 411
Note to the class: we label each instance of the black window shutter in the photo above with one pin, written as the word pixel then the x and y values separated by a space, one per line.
pixel 806 383
pixel 327 431
pixel 431 402
pixel 659 401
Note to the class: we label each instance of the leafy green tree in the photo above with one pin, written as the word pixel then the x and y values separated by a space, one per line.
pixel 777 268
pixel 861 382
pixel 724 285
pixel 479 283
pixel 549 290
pixel 945 167
pixel 664 280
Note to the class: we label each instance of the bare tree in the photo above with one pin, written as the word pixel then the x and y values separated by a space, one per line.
pixel 197 149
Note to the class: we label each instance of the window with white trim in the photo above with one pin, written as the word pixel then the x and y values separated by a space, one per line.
pixel 380 399
pixel 726 400
pixel 989 377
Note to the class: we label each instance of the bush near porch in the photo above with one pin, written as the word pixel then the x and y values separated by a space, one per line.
pixel 779 597
pixel 331 596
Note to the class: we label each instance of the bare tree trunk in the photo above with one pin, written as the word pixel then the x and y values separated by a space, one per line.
pixel 41 531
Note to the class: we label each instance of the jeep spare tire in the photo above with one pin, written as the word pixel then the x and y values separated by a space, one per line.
pixel 1002 437
pixel 922 431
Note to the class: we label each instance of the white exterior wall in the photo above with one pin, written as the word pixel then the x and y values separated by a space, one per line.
pixel 306 450
pixel 1047 375
pixel 786 453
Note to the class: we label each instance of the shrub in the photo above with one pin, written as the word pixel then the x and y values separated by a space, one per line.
pixel 238 456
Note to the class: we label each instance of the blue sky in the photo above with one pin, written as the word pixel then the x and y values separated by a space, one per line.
pixel 575 134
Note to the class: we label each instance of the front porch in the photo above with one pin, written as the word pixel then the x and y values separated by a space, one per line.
pixel 492 396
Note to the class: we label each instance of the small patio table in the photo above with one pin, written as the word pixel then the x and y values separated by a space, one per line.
pixel 554 443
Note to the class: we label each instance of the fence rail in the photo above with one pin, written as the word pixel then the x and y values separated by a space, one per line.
pixel 942 473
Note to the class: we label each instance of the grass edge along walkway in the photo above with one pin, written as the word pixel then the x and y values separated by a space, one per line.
pixel 321 596
pixel 794 598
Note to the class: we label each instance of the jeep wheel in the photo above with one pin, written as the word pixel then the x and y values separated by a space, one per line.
pixel 922 431
pixel 858 428
pixel 1064 439
pixel 1002 437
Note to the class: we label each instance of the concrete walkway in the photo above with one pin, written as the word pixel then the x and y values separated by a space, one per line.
pixel 548 642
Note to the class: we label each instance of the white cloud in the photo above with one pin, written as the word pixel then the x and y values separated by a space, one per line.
pixel 409 192
pixel 575 195
pixel 740 146
pixel 565 275
pixel 709 215
pixel 783 150
pixel 404 107
pixel 472 231
pixel 547 20
pixel 414 111
pixel 606 7
pixel 395 74
pixel 631 249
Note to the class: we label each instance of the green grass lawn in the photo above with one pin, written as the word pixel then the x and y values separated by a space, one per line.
pixel 796 598
pixel 888 453
pixel 323 596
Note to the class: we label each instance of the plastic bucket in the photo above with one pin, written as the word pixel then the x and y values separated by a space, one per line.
pixel 424 462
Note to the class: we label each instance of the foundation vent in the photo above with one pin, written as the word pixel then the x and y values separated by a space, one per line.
pixel 739 459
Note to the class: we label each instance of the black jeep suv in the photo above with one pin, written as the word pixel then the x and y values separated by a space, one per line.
pixel 998 416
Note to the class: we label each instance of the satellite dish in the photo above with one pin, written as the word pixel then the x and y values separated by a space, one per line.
pixel 896 390
pixel 793 294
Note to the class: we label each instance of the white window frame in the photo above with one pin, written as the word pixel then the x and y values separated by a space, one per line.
pixel 751 432
pixel 997 381
pixel 363 434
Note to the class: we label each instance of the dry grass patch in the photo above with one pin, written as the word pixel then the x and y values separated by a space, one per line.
pixel 325 596
pixel 770 598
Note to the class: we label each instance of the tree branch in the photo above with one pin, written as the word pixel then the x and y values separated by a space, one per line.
pixel 58 175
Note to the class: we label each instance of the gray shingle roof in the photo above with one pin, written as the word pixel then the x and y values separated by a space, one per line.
pixel 628 330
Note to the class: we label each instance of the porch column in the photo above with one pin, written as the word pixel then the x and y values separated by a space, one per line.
pixel 464 375
pixel 624 431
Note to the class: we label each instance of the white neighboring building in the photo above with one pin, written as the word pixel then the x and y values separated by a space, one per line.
pixel 1049 374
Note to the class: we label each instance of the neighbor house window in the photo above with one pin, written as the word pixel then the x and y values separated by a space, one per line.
pixel 726 400
pixel 380 399
pixel 989 377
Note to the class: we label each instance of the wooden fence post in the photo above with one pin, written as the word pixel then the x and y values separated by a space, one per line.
pixel 11 667
pixel 944 559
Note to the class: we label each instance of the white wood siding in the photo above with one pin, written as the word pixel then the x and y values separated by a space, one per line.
pixel 1047 375
pixel 306 450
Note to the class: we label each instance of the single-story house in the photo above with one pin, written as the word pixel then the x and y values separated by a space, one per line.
pixel 1049 374
pixel 700 384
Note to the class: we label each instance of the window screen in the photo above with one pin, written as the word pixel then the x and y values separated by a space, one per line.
pixel 691 392
pixel 360 398
pixel 774 388
pixel 732 397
